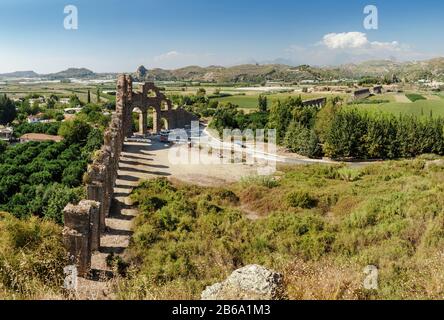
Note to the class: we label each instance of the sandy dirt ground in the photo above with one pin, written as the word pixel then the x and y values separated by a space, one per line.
pixel 432 97
pixel 400 97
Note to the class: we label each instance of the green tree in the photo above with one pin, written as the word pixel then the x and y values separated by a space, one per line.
pixel 262 103
pixel 281 115
pixel 75 131
pixel 74 101
pixel 89 97
pixel 7 110
pixel 324 120
pixel 50 104
pixel 302 140
pixel 225 117
pixel 56 197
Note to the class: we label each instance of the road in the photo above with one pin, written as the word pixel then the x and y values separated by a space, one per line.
pixel 216 143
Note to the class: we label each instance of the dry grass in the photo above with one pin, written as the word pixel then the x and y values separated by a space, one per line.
pixel 323 280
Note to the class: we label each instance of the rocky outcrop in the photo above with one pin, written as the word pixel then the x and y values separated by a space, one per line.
pixel 141 73
pixel 252 282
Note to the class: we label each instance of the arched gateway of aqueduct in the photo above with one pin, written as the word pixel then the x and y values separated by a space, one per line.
pixel 85 222
pixel 151 97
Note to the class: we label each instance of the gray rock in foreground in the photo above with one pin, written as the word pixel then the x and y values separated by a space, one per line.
pixel 252 282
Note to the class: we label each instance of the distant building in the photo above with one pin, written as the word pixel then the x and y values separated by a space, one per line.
pixel 72 110
pixel 38 118
pixel 6 133
pixel 308 81
pixel 361 94
pixel 33 119
pixel 38 101
pixel 39 137
pixel 64 101
pixel 377 90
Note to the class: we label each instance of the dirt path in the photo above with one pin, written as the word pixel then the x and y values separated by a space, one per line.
pixel 400 97
pixel 133 162
pixel 432 97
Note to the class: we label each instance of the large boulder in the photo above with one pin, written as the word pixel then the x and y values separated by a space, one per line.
pixel 252 282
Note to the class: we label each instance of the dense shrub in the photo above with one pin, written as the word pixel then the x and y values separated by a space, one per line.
pixel 265 181
pixel 46 128
pixel 302 140
pixel 301 199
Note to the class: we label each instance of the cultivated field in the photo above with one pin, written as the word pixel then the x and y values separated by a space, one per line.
pixel 18 89
pixel 433 105
pixel 250 99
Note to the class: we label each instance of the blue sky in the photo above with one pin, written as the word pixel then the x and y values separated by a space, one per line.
pixel 118 35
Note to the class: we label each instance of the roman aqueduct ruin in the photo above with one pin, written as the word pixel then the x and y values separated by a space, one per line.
pixel 86 221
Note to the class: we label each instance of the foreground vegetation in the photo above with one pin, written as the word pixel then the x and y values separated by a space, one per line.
pixel 37 180
pixel 318 225
pixel 32 258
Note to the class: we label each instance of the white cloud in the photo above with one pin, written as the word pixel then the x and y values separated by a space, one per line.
pixel 167 56
pixel 356 40
pixel 345 40
pixel 351 47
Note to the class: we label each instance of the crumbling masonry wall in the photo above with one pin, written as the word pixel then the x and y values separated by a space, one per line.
pixel 85 222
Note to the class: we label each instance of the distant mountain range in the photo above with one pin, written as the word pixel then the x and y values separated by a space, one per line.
pixel 410 71
pixel 80 73
pixel 20 74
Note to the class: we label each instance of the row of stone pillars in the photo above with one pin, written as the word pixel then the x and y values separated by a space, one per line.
pixel 85 222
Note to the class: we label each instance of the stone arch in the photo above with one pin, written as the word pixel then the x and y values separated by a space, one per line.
pixel 151 98
pixel 165 105
pixel 143 119
pixel 137 111
pixel 164 123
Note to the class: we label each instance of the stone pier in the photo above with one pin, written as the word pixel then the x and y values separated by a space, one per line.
pixel 81 233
